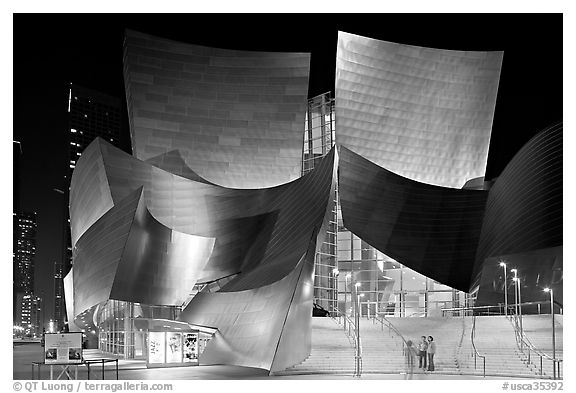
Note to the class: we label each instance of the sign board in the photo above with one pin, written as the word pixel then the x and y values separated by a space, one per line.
pixel 173 347
pixel 156 347
pixel 169 349
pixel 63 348
pixel 190 347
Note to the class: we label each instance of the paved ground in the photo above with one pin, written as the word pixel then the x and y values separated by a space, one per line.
pixel 24 355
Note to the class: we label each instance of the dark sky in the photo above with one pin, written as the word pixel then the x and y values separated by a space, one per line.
pixel 53 49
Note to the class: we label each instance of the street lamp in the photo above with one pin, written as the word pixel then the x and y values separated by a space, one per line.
pixel 517 280
pixel 503 264
pixel 346 278
pixel 335 272
pixel 553 328
pixel 357 323
pixel 515 271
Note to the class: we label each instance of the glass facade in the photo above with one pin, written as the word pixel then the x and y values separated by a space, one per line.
pixel 319 138
pixel 118 334
pixel 385 285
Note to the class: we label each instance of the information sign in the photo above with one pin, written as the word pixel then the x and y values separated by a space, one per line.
pixel 63 348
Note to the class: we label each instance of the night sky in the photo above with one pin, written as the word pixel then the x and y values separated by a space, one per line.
pixel 52 50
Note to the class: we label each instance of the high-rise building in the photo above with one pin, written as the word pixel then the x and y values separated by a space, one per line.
pixel 23 260
pixel 29 314
pixel 25 252
pixel 59 310
pixel 91 114
pixel 16 157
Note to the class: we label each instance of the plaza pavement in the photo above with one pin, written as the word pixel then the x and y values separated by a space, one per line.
pixel 25 354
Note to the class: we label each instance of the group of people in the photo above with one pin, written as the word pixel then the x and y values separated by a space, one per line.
pixel 425 350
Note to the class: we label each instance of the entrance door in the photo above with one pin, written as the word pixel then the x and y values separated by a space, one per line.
pixel 368 309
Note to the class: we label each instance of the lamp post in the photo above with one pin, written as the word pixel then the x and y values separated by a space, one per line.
pixel 346 278
pixel 517 281
pixel 503 264
pixel 553 328
pixel 356 300
pixel 515 271
pixel 335 271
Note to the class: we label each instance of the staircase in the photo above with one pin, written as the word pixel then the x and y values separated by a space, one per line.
pixel 332 351
pixel 495 339
pixel 448 333
pixel 382 349
pixel 538 330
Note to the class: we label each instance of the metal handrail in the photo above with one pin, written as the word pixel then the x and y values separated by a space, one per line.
pixel 351 333
pixel 385 321
pixel 499 308
pixel 476 353
pixel 523 342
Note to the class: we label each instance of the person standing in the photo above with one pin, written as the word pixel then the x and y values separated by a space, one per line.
pixel 422 352
pixel 410 353
pixel 431 353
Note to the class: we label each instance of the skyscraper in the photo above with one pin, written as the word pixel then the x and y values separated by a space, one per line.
pixel 91 114
pixel 59 311
pixel 23 263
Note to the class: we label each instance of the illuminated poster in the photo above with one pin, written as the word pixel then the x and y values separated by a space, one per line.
pixel 156 347
pixel 190 347
pixel 63 348
pixel 173 347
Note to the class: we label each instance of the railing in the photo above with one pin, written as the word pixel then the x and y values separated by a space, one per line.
pixel 475 351
pixel 391 331
pixel 351 332
pixel 493 310
pixel 525 345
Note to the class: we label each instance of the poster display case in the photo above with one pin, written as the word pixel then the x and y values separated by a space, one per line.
pixel 172 349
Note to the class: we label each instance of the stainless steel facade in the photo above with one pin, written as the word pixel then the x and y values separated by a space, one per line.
pixel 523 223
pixel 236 117
pixel 433 230
pixel 165 233
pixel 422 113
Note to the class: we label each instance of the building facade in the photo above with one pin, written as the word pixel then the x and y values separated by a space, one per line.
pixel 25 252
pixel 212 225
pixel 91 114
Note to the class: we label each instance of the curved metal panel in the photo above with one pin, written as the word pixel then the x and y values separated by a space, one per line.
pixel 236 116
pixel 263 314
pixel 524 208
pixel 236 218
pixel 159 265
pixel 127 255
pixel 433 230
pixel 422 113
pixel 524 211
pixel 90 194
pixel 166 232
pixel 98 252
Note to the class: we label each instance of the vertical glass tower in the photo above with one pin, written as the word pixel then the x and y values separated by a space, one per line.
pixel 386 285
pixel 319 137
